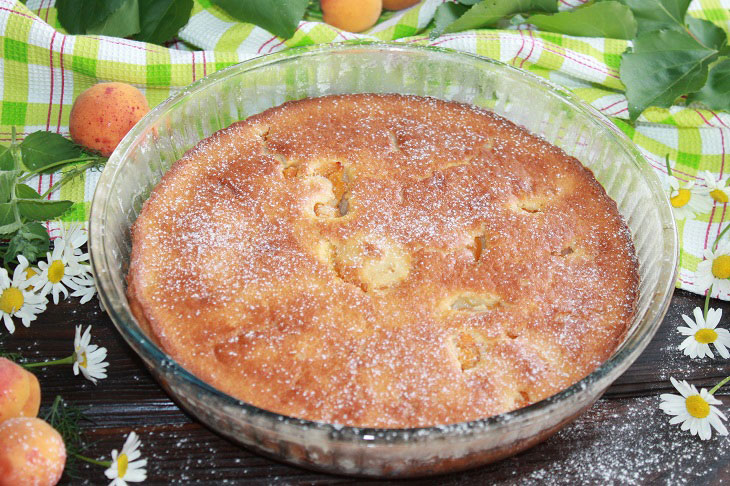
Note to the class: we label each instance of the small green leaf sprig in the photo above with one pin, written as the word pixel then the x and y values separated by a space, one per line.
pixel 22 209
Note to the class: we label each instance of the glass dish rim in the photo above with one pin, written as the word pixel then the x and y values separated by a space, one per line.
pixel 126 324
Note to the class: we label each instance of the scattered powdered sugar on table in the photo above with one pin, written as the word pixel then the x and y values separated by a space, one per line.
pixel 627 445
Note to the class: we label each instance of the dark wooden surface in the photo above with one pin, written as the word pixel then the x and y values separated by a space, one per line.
pixel 623 439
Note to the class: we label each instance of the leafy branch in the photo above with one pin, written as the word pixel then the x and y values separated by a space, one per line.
pixel 22 208
pixel 673 54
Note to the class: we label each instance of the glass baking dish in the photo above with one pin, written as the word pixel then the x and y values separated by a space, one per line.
pixel 233 94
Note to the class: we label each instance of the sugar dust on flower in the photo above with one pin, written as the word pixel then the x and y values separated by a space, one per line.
pixel 696 411
pixel 126 465
pixel 702 332
pixel 17 298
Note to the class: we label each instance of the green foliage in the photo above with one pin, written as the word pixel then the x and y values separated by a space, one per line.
pixel 604 19
pixel 21 207
pixel 678 60
pixel 66 419
pixel 31 241
pixel 42 149
pixel 446 14
pixel 716 92
pixel 83 16
pixel 654 15
pixel 161 20
pixel 281 20
pixel 488 12
pixel 122 22
pixel 673 54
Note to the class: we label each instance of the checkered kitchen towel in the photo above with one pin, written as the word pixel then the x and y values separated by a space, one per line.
pixel 42 70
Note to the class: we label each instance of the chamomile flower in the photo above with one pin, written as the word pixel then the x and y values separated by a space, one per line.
pixel 718 190
pixel 695 410
pixel 56 272
pixel 73 237
pixel 125 467
pixel 701 333
pixel 88 358
pixel 686 199
pixel 83 286
pixel 17 298
pixel 715 268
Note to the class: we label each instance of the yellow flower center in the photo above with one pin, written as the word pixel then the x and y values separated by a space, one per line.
pixel 11 300
pixel 697 406
pixel 681 199
pixel 84 361
pixel 123 462
pixel 719 196
pixel 721 266
pixel 29 273
pixel 706 336
pixel 56 271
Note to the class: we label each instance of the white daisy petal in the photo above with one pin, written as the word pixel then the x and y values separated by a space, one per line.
pixel 89 358
pixel 695 411
pixel 135 469
pixel 703 332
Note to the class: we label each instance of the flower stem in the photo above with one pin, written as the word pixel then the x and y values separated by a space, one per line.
pixel 669 169
pixel 93 461
pixel 719 385
pixel 707 303
pixel 30 174
pixel 719 237
pixel 41 364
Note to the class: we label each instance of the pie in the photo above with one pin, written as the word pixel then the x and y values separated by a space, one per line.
pixel 384 261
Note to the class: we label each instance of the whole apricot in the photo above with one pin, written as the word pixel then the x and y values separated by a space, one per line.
pixel 103 114
pixel 32 453
pixel 20 393
pixel 351 15
pixel 398 4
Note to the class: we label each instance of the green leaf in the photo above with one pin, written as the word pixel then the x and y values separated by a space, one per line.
pixel 162 19
pixel 41 149
pixel 281 19
pixel 707 33
pixel 7 181
pixel 6 158
pixel 488 12
pixel 8 224
pixel 76 16
pixel 41 209
pixel 446 14
pixel 654 15
pixel 123 22
pixel 715 94
pixel 24 191
pixel 469 2
pixel 31 241
pixel 605 19
pixel 662 66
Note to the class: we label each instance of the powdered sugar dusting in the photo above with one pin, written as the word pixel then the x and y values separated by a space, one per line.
pixel 383 260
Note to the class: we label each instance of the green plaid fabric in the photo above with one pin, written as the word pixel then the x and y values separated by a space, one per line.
pixel 43 70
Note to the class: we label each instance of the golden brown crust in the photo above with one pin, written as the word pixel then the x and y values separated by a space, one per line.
pixel 382 260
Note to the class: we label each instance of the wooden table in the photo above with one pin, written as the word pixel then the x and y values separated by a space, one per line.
pixel 624 439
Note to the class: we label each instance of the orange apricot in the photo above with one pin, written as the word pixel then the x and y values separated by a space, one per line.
pixel 351 15
pixel 20 393
pixel 398 4
pixel 103 114
pixel 32 453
